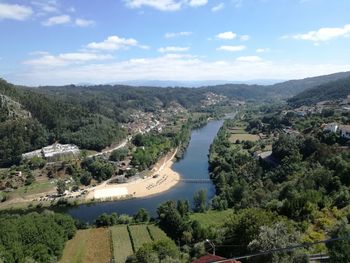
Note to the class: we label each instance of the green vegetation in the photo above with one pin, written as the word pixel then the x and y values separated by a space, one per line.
pixel 139 235
pixel 39 237
pixel 119 154
pixel 338 89
pixel 89 245
pixel 122 247
pixel 212 217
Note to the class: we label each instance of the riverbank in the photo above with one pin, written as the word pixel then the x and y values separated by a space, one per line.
pixel 162 178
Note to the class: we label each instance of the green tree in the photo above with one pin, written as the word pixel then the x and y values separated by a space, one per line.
pixel 339 251
pixel 61 187
pixel 142 216
pixel 200 200
pixel 119 154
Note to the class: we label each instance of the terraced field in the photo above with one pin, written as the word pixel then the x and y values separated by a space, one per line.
pixel 139 235
pixel 156 233
pixel 95 244
pixel 122 247
pixel 90 245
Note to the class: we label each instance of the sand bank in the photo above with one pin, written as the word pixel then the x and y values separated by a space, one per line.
pixel 162 178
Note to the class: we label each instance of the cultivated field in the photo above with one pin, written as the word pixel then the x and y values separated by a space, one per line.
pixel 90 245
pixel 122 247
pixel 156 233
pixel 216 218
pixel 140 235
pixel 244 137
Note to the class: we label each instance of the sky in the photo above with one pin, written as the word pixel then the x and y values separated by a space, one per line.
pixel 56 42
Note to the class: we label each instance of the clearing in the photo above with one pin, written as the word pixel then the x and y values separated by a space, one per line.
pixel 122 247
pixel 244 137
pixel 212 218
pixel 90 245
pixel 139 235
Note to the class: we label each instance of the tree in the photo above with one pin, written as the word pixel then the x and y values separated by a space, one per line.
pixel 170 219
pixel 119 154
pixel 158 251
pixel 339 251
pixel 85 179
pixel 61 187
pixel 142 216
pixel 183 206
pixel 200 200
pixel 276 236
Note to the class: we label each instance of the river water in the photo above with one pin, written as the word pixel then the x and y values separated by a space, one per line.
pixel 193 165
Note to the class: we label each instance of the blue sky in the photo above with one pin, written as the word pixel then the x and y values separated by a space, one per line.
pixel 80 41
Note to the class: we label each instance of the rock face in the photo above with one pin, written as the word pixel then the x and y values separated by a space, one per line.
pixel 55 152
pixel 11 109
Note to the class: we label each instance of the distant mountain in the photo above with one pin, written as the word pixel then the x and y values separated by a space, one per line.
pixel 190 84
pixel 293 87
pixel 334 90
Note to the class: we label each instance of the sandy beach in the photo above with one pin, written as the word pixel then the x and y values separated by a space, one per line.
pixel 165 179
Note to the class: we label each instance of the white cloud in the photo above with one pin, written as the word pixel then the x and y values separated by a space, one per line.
pixel 196 3
pixel 324 34
pixel 218 7
pixel 114 43
pixel 57 20
pixel 177 34
pixel 165 5
pixel 262 50
pixel 169 68
pixel 226 35
pixel 244 37
pixel 83 22
pixel 237 3
pixel 15 12
pixel 250 59
pixel 47 60
pixel 50 6
pixel 232 48
pixel 173 49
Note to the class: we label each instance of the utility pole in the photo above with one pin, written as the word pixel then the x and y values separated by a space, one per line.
pixel 211 244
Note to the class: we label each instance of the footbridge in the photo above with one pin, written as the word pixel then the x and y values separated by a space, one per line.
pixel 195 181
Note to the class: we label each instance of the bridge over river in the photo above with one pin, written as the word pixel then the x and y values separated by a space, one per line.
pixel 196 181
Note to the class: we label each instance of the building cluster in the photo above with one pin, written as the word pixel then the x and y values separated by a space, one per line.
pixel 212 99
pixel 143 122
pixel 335 127
pixel 54 152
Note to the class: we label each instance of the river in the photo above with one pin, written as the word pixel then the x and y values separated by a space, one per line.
pixel 193 165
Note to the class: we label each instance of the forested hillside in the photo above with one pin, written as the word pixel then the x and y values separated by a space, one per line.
pixel 116 101
pixel 50 120
pixel 331 91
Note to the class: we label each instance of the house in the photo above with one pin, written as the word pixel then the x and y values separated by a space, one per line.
pixel 331 127
pixel 213 258
pixel 345 131
pixel 54 152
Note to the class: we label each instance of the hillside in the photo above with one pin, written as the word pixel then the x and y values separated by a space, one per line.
pixel 281 90
pixel 30 120
pixel 294 87
pixel 331 91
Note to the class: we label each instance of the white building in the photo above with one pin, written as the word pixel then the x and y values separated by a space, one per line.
pixel 54 152
pixel 345 131
pixel 331 127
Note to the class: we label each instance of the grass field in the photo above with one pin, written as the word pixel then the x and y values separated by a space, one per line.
pixel 121 243
pixel 211 218
pixel 244 137
pixel 90 245
pixel 140 235
pixel 34 188
pixel 156 233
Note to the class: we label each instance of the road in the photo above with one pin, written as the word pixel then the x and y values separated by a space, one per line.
pixel 109 150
